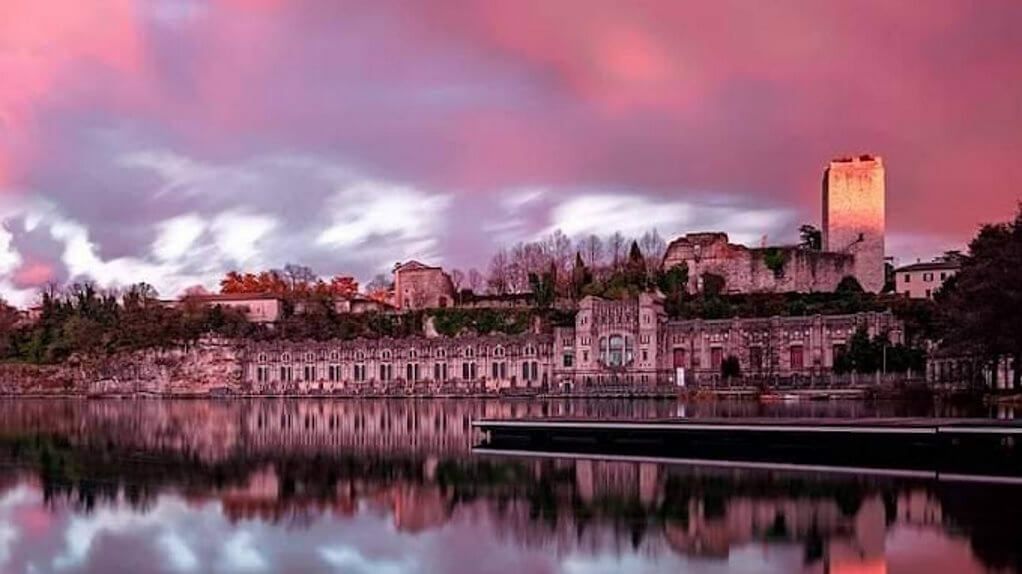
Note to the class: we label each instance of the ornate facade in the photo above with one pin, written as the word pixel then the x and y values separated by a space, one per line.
pixel 613 346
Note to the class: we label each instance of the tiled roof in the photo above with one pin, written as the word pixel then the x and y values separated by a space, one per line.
pixel 213 297
pixel 930 266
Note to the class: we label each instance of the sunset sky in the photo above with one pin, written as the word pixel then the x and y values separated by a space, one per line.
pixel 173 140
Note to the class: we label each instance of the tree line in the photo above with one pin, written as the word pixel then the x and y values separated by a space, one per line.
pixel 517 269
pixel 85 320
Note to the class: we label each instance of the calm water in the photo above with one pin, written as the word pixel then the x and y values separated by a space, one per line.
pixel 393 487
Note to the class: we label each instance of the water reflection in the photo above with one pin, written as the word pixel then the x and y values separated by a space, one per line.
pixel 378 486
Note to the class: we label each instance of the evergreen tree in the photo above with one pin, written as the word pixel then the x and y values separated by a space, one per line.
pixel 636 267
pixel 581 277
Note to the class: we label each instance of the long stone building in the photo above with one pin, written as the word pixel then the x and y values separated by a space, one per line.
pixel 613 345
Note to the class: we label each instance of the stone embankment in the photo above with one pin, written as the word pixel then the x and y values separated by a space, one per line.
pixel 202 369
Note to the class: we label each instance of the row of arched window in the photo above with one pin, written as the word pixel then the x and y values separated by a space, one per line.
pixel 529 370
pixel 387 354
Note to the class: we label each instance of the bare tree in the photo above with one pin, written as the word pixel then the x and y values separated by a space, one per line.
pixel 457 279
pixel 476 281
pixel 499 278
pixel 591 249
pixel 518 265
pixel 653 248
pixel 297 274
pixel 379 283
pixel 617 246
pixel 557 247
pixel 196 291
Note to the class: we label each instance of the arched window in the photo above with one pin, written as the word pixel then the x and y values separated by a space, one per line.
pixel 440 353
pixel 310 357
pixel 615 350
pixel 385 355
pixel 360 356
pixel 334 356
pixel 285 357
pixel 498 351
pixel 262 357
pixel 413 354
pixel 469 352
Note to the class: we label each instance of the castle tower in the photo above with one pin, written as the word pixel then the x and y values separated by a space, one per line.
pixel 853 215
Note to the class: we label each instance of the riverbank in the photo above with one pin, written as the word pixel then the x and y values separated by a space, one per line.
pixel 213 369
pixel 763 396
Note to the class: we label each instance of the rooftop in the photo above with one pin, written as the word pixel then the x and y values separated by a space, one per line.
pixel 211 297
pixel 937 265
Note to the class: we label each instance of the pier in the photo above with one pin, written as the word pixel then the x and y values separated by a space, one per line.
pixel 958 446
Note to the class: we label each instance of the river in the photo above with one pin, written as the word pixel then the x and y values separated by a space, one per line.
pixel 392 486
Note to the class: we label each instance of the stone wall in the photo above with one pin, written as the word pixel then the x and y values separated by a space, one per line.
pixel 747 270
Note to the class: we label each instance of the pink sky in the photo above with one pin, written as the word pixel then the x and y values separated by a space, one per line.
pixel 172 140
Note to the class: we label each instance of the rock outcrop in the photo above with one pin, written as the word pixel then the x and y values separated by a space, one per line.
pixel 206 368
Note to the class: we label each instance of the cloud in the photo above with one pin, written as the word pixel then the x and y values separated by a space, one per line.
pixel 177 236
pixel 633 215
pixel 238 234
pixel 366 215
pixel 347 559
pixel 179 173
pixel 234 220
pixel 239 554
pixel 445 121
pixel 180 556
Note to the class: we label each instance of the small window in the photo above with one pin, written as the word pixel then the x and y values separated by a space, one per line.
pixel 716 357
pixel 796 359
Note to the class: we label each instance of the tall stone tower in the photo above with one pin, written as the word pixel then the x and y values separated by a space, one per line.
pixel 853 215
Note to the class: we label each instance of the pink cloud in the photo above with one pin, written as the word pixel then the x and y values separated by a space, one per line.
pixel 731 102
pixel 33 274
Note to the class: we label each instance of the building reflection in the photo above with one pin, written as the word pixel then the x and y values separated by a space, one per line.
pixel 295 462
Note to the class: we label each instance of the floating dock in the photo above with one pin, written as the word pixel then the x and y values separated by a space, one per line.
pixel 948 445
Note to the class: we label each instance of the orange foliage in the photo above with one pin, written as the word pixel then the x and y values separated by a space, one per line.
pixel 381 296
pixel 343 286
pixel 269 282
